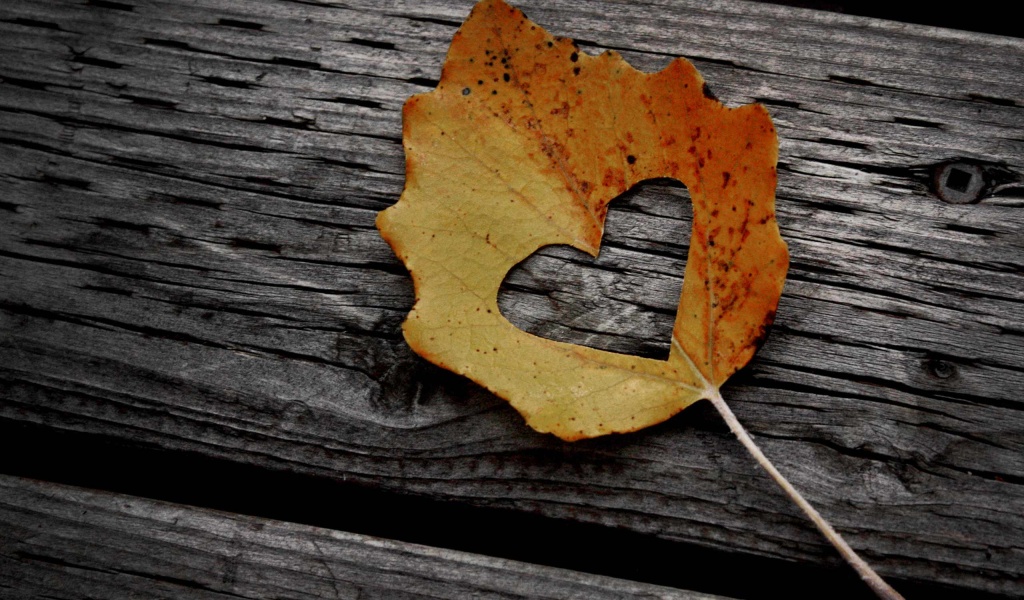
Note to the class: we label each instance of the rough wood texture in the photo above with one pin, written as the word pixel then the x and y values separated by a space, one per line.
pixel 69 543
pixel 189 259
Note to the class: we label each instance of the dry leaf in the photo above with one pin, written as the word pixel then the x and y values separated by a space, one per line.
pixel 523 144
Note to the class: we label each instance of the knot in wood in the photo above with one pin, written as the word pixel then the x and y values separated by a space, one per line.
pixel 939 368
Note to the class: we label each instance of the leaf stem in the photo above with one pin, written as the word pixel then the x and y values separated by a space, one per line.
pixel 875 582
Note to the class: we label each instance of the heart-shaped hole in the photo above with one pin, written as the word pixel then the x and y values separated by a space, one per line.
pixel 625 300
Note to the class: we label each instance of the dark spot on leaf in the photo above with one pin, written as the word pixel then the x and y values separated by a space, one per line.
pixel 631 159
pixel 708 93
pixel 574 57
pixel 506 77
pixel 465 91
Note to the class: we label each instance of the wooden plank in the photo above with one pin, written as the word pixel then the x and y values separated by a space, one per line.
pixel 65 542
pixel 189 260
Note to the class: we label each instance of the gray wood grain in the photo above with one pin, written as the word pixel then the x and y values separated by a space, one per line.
pixel 188 259
pixel 65 542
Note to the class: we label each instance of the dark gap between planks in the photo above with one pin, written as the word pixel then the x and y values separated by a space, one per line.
pixel 986 16
pixel 98 462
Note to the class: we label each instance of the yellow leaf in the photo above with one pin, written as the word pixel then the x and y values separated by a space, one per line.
pixel 523 144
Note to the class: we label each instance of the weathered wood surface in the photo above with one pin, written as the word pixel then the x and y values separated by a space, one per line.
pixel 188 259
pixel 64 542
